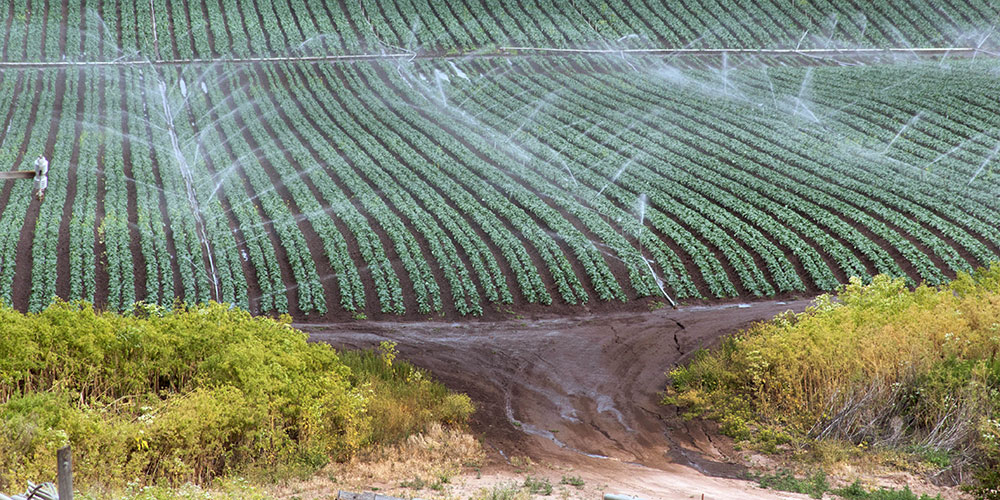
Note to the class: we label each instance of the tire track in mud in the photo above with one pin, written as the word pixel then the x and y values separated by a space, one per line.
pixel 573 389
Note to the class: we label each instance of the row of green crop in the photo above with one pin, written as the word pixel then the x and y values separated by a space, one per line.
pixel 661 199
pixel 901 158
pixel 752 157
pixel 437 225
pixel 779 214
pixel 200 145
pixel 346 206
pixel 710 217
pixel 853 185
pixel 248 241
pixel 126 141
pixel 351 170
pixel 416 195
pixel 934 147
pixel 693 159
pixel 9 149
pixel 443 189
pixel 619 204
pixel 717 23
pixel 755 155
pixel 254 161
pixel 505 156
pixel 36 29
pixel 200 234
pixel 444 123
pixel 113 229
pixel 926 143
pixel 481 191
pixel 438 162
pixel 534 217
pixel 803 173
pixel 46 234
pixel 335 248
pixel 21 155
pixel 152 228
pixel 854 176
pixel 245 28
pixel 909 223
pixel 440 194
pixel 303 127
pixel 82 223
pixel 674 163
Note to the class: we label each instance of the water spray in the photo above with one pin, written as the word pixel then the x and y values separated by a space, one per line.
pixel 907 125
pixel 189 185
pixel 985 162
pixel 641 202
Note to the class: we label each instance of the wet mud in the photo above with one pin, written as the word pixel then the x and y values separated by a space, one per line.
pixel 574 389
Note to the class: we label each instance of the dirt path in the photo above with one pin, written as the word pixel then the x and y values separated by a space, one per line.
pixel 580 391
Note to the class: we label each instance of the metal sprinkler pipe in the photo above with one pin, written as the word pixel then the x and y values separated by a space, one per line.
pixel 616 496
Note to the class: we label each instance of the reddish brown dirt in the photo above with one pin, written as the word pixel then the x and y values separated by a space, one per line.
pixel 135 246
pixel 101 277
pixel 62 249
pixel 581 389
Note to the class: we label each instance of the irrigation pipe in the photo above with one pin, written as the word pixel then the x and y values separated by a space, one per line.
pixel 184 62
pixel 613 496
pixel 709 52
pixel 513 51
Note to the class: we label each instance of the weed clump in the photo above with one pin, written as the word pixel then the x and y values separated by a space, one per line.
pixel 575 481
pixel 538 485
pixel 816 486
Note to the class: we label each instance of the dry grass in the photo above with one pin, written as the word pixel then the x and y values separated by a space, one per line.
pixel 433 457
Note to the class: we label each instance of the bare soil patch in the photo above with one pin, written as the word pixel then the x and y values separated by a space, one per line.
pixel 562 395
pixel 579 392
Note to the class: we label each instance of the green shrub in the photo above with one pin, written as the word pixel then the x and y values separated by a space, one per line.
pixel 816 485
pixel 191 394
pixel 880 365
pixel 402 398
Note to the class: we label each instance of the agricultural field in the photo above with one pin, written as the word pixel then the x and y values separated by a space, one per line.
pixel 438 170
pixel 101 30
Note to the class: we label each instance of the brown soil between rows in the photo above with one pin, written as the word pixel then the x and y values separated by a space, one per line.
pixel 62 249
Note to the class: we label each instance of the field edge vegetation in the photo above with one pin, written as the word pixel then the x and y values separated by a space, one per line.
pixel 194 394
pixel 907 376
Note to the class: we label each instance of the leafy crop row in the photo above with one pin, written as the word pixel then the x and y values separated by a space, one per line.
pixel 21 155
pixel 441 186
pixel 241 28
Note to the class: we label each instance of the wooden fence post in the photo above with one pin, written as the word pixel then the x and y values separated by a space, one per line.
pixel 64 467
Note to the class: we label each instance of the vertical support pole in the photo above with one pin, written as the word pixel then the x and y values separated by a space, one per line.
pixel 64 467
